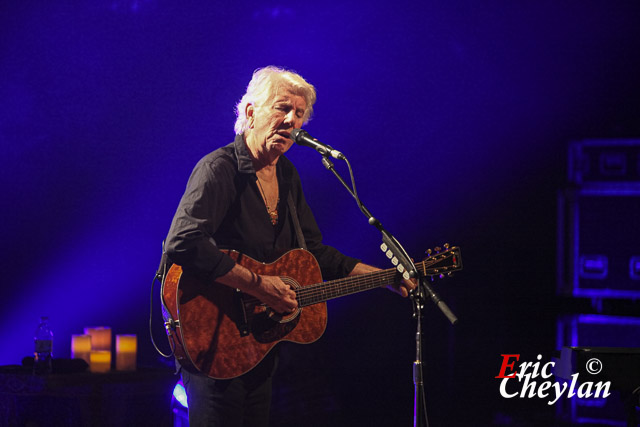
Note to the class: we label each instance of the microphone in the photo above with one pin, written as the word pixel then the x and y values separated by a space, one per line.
pixel 302 137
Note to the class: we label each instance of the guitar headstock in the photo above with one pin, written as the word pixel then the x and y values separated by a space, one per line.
pixel 441 261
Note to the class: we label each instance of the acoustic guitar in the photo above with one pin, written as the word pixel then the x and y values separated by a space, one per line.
pixel 224 333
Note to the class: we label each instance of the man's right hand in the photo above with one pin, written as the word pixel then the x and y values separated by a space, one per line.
pixel 272 291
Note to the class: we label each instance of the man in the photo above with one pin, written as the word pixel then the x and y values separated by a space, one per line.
pixel 237 198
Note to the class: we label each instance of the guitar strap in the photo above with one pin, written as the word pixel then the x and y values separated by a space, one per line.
pixel 296 222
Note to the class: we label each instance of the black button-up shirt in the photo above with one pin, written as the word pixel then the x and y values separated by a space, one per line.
pixel 222 209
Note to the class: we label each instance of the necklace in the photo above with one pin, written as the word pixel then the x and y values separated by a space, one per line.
pixel 273 214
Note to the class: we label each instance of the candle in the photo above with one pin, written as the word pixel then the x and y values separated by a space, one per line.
pixel 81 347
pixel 126 349
pixel 100 337
pixel 100 361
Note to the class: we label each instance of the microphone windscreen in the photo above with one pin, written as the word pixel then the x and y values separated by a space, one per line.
pixel 297 134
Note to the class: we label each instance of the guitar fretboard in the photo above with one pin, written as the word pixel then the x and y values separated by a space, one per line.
pixel 325 291
pixel 321 292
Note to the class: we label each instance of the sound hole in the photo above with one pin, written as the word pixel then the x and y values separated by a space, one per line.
pixel 268 326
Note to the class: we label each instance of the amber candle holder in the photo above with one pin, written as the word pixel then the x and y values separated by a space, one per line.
pixel 100 337
pixel 81 347
pixel 126 351
pixel 100 361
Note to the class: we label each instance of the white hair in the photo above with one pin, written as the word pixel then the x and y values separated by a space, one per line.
pixel 264 86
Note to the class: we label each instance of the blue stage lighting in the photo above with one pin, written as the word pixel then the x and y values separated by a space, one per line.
pixel 179 394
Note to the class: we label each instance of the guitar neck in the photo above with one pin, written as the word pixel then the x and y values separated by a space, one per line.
pixel 321 292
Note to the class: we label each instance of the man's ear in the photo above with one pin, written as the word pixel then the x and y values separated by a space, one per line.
pixel 250 111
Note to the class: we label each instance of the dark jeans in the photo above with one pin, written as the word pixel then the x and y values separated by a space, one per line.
pixel 239 402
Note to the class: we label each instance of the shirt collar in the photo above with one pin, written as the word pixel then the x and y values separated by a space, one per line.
pixel 245 165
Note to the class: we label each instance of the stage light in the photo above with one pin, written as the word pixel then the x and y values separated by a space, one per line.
pixel 179 394
pixel 179 406
pixel 634 268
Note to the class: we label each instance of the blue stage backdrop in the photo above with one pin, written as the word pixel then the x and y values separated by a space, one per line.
pixel 455 116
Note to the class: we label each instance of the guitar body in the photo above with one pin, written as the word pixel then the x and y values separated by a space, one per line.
pixel 224 333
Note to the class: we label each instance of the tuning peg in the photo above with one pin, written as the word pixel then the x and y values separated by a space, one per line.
pixel 446 246
pixel 428 252
pixel 441 276
pixel 437 249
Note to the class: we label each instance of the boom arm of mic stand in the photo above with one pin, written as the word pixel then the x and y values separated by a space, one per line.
pixel 397 251
pixel 444 308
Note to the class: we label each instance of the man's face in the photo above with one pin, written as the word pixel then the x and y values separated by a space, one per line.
pixel 274 121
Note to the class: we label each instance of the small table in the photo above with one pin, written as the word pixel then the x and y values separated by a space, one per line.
pixel 140 398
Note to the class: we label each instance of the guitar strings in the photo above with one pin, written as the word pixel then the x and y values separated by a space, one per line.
pixel 323 291
pixel 327 290
pixel 312 294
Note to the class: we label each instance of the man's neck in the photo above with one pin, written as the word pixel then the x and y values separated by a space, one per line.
pixel 261 159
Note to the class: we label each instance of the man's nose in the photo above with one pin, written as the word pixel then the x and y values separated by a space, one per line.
pixel 290 118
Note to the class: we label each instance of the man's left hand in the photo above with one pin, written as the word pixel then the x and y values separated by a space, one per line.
pixel 403 288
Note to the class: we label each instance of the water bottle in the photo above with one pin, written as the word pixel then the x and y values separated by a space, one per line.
pixel 43 342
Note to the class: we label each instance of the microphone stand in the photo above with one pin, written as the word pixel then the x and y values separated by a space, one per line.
pixel 405 266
